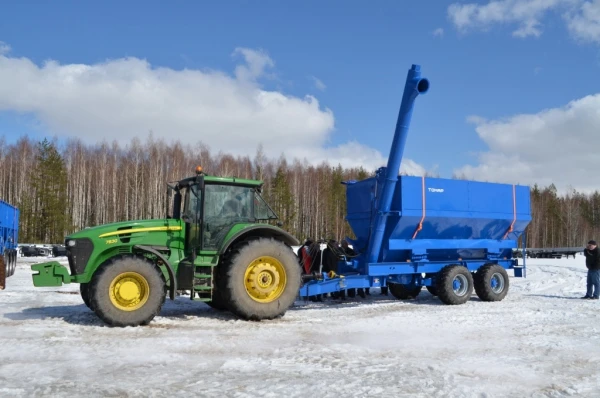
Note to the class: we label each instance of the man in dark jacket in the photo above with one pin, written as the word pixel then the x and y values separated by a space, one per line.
pixel 592 262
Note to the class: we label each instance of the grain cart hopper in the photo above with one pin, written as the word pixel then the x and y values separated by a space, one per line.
pixel 215 245
pixel 9 233
pixel 448 235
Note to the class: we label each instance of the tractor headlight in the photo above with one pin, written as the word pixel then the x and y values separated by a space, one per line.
pixel 71 243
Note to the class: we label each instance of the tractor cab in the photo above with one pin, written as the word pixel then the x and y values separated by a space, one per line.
pixel 211 206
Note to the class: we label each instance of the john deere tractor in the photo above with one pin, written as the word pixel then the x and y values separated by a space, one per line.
pixel 216 243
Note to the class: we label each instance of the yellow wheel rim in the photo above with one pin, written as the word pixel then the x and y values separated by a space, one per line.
pixel 265 279
pixel 129 291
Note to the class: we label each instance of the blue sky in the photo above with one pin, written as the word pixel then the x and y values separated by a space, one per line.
pixel 359 50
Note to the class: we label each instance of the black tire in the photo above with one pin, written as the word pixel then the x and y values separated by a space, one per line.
pixel 351 293
pixel 11 265
pixel 14 262
pixel 432 290
pixel 404 292
pixel 8 262
pixel 99 291
pixel 218 301
pixel 237 263
pixel 491 282
pixel 3 272
pixel 85 293
pixel 445 281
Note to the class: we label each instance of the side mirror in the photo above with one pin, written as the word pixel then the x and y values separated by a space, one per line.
pixel 176 205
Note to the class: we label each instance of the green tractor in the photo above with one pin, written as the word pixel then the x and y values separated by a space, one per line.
pixel 216 243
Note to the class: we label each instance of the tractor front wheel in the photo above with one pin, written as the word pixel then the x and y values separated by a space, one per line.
pixel 262 279
pixel 84 289
pixel 127 291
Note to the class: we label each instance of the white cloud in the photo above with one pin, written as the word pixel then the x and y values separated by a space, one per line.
pixel 4 48
pixel 354 154
pixel 585 23
pixel 556 145
pixel 319 85
pixel 581 16
pixel 256 64
pixel 123 98
pixel 439 32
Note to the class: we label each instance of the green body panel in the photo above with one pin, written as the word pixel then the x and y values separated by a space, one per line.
pixel 113 239
pixel 239 229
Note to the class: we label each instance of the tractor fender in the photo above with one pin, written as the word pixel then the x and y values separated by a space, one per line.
pixel 262 231
pixel 173 284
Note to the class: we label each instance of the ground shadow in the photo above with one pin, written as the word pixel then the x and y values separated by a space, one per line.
pixel 183 308
pixel 425 298
pixel 81 315
pixel 554 296
pixel 72 314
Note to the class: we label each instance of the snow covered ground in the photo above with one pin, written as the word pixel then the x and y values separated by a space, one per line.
pixel 541 341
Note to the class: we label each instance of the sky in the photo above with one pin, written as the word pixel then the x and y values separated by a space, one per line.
pixel 514 84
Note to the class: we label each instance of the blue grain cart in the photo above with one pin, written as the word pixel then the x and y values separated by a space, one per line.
pixel 451 236
pixel 9 233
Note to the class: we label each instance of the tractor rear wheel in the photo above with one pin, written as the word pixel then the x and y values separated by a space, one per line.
pixel 218 301
pixel 491 282
pixel 262 279
pixel 404 292
pixel 127 291
pixel 454 284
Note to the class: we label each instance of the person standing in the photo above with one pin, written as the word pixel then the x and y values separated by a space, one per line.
pixel 592 262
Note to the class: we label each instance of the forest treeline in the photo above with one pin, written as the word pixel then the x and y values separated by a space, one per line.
pixel 64 188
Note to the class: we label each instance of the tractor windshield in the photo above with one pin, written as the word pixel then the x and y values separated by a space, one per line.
pixel 226 205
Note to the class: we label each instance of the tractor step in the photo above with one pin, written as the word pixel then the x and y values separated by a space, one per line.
pixel 202 285
pixel 204 300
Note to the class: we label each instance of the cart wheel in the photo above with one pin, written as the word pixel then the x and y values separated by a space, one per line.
pixel 404 292
pixel 454 284
pixel 491 282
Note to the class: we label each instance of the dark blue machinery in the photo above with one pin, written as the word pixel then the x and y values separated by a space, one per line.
pixel 451 236
pixel 9 233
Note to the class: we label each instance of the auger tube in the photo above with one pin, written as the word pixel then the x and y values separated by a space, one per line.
pixel 414 86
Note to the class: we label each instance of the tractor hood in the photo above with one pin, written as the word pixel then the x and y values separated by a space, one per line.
pixel 136 228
